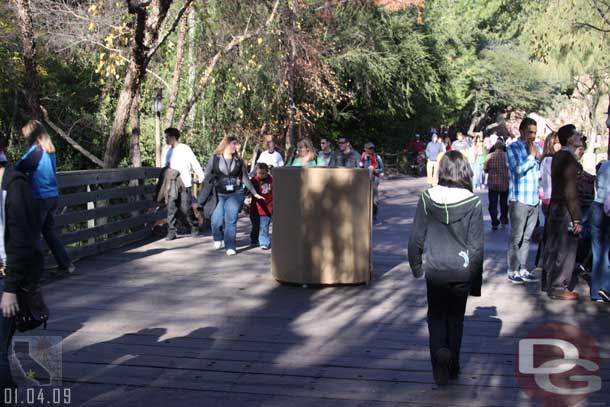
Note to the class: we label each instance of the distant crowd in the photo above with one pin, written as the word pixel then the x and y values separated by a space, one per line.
pixel 228 182
pixel 524 177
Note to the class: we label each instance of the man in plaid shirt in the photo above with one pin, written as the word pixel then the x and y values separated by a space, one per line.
pixel 497 182
pixel 524 165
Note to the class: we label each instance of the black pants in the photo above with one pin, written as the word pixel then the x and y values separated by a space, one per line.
pixel 184 203
pixel 446 309
pixel 502 196
pixel 560 247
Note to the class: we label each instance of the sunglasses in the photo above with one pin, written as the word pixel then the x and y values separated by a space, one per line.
pixel 343 142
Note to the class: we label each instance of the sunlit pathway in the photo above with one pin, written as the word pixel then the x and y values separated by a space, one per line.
pixel 177 324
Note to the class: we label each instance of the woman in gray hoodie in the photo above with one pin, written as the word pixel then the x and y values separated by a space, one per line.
pixel 446 245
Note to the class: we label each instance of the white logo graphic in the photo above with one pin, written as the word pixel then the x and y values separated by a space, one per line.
pixel 464 255
pixel 570 360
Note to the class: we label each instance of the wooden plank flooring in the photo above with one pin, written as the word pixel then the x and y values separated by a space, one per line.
pixel 178 324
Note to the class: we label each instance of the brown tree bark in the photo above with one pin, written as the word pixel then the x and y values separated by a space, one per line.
pixel 287 19
pixel 149 18
pixel 28 43
pixel 134 119
pixel 173 95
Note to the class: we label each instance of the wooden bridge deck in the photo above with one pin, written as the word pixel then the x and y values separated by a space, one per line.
pixel 178 324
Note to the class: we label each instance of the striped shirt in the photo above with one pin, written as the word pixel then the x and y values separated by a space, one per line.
pixel 524 174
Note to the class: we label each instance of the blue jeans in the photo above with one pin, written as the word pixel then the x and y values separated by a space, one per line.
pixel 46 210
pixel 599 225
pixel 7 330
pixel 260 230
pixel 227 212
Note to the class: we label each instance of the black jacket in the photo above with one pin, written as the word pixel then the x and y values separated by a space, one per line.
pixel 24 259
pixel 446 241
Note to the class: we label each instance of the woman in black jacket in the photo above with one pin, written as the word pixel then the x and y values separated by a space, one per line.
pixel 19 230
pixel 227 173
pixel 446 245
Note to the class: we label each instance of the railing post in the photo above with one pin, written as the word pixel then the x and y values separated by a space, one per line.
pixel 90 222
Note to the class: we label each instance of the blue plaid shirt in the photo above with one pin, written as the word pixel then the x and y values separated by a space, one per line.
pixel 524 174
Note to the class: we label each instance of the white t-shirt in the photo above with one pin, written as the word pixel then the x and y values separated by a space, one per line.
pixel 274 159
pixel 546 183
pixel 183 159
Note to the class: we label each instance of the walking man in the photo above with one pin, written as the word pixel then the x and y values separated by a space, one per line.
pixel 180 157
pixel 564 222
pixel 271 156
pixel 523 157
pixel 433 149
pixel 497 169
pixel 346 156
pixel 326 151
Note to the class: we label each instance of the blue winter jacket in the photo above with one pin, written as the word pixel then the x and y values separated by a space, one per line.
pixel 40 168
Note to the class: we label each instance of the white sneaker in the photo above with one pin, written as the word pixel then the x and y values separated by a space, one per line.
pixel 219 245
pixel 231 252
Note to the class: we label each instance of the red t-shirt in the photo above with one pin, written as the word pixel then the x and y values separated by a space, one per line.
pixel 265 189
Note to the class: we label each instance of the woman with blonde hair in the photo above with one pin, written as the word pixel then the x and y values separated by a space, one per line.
pixel 227 174
pixel 39 164
pixel 305 155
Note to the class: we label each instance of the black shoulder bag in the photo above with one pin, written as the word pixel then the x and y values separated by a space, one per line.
pixel 33 311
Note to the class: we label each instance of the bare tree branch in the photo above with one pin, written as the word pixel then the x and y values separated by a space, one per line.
pixel 70 140
pixel 603 14
pixel 207 73
pixel 591 26
pixel 154 49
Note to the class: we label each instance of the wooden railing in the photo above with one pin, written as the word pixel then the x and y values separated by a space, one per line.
pixel 105 209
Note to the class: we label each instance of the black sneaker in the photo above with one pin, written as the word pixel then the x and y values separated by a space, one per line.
pixel 442 366
pixel 494 227
pixel 170 236
pixel 605 295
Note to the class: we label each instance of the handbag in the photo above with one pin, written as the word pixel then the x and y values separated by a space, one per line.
pixel 33 310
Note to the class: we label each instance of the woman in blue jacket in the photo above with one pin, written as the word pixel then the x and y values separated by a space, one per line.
pixel 39 164
pixel 446 244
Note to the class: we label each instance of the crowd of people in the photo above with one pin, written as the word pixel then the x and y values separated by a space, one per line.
pixel 522 178
pixel 228 182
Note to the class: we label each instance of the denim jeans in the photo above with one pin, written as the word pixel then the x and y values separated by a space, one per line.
pixel 7 330
pixel 46 210
pixel 599 225
pixel 523 222
pixel 263 230
pixel 227 212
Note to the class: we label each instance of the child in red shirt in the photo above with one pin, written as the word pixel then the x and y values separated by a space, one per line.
pixel 261 210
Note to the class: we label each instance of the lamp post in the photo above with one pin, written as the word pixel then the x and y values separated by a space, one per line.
pixel 157 108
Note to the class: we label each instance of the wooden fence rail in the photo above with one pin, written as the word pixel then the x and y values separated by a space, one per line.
pixel 104 209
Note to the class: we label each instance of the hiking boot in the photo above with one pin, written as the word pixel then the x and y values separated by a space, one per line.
pixel 442 366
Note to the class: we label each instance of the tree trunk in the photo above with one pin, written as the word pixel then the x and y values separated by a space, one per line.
pixel 24 14
pixel 149 19
pixel 287 18
pixel 191 59
pixel 173 96
pixel 136 154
